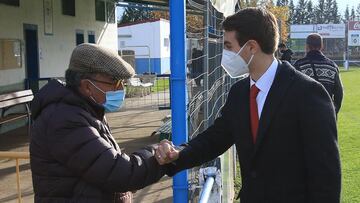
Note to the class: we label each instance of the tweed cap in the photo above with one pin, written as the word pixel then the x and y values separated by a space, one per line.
pixel 92 58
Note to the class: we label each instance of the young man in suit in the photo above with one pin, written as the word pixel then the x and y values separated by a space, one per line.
pixel 281 121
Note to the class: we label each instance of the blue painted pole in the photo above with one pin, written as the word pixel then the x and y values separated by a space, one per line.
pixel 178 90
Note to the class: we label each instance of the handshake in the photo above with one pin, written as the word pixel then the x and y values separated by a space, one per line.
pixel 166 152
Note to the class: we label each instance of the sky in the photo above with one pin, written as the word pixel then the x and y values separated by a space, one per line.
pixel 341 4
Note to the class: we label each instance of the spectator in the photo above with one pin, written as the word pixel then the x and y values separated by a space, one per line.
pixel 281 121
pixel 197 64
pixel 286 53
pixel 316 65
pixel 73 155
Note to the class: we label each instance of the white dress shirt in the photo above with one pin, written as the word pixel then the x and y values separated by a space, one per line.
pixel 264 84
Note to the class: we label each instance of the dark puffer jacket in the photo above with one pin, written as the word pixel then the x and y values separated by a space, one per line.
pixel 74 157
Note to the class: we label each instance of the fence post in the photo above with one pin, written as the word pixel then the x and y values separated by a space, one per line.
pixel 206 65
pixel 178 90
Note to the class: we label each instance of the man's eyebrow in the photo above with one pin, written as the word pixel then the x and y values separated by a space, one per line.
pixel 227 43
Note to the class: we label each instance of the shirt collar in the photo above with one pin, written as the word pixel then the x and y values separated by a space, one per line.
pixel 265 81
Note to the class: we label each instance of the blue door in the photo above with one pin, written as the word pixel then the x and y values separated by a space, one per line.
pixel 31 56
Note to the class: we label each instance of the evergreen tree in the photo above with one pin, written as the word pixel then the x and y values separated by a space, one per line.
pixel 300 12
pixel 282 2
pixel 352 16
pixel 358 10
pixel 319 11
pixel 346 15
pixel 134 14
pixel 310 16
pixel 327 11
pixel 291 12
pixel 335 13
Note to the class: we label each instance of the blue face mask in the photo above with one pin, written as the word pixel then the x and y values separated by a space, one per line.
pixel 114 99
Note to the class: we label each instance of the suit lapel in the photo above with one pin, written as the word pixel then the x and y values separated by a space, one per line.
pixel 243 112
pixel 283 78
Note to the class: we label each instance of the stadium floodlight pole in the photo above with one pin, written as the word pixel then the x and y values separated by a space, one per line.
pixel 178 90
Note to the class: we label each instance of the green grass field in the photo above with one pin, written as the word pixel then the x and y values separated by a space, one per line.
pixel 349 137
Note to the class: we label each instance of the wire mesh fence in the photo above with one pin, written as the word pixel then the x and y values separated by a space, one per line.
pixel 208 84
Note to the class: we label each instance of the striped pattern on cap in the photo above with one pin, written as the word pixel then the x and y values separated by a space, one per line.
pixel 92 58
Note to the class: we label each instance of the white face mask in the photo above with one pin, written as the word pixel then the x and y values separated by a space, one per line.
pixel 234 64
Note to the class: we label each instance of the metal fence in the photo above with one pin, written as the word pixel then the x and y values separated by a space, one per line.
pixel 208 84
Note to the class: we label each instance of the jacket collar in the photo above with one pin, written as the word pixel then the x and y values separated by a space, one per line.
pixel 315 54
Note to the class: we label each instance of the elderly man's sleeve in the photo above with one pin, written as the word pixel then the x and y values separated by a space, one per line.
pixel 81 149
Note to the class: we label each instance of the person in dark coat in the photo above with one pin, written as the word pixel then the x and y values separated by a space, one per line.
pixel 281 121
pixel 73 155
pixel 286 53
pixel 316 65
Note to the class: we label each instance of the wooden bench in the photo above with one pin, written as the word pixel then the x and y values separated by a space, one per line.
pixel 10 100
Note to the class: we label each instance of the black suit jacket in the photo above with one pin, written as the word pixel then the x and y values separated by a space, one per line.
pixel 295 158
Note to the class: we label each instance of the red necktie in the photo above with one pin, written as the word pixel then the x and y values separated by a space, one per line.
pixel 254 116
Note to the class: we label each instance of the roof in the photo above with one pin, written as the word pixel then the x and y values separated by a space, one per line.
pixel 150 2
pixel 142 22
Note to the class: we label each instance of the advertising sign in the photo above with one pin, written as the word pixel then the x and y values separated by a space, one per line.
pixel 354 33
pixel 331 30
pixel 301 31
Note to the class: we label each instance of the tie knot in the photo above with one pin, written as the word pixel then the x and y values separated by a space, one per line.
pixel 254 91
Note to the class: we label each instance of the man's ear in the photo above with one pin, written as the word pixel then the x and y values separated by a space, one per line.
pixel 253 46
pixel 85 87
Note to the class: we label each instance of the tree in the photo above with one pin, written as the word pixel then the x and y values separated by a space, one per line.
pixel 358 10
pixel 291 12
pixel 282 15
pixel 134 14
pixel 335 13
pixel 310 16
pixel 300 12
pixel 320 17
pixel 327 11
pixel 346 15
pixel 282 3
pixel 352 15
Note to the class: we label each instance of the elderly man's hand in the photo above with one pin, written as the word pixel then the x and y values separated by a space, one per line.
pixel 166 152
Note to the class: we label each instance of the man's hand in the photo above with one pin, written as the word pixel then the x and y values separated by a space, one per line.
pixel 166 152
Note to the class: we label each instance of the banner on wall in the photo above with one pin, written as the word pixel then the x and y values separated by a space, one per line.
pixel 325 30
pixel 354 33
pixel 331 30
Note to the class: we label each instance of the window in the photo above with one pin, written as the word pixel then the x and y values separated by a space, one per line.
pixel 68 7
pixel 10 53
pixel 91 37
pixel 11 2
pixel 105 11
pixel 100 10
pixel 79 37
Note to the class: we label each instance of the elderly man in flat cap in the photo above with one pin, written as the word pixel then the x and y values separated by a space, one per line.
pixel 74 157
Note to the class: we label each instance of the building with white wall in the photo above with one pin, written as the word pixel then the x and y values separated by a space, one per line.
pixel 38 36
pixel 150 40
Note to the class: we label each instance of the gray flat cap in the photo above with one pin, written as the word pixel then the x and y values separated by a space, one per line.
pixel 92 58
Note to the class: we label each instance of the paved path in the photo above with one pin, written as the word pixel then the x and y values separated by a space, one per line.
pixel 131 128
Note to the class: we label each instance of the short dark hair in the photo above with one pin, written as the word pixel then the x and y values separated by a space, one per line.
pixel 73 78
pixel 314 41
pixel 254 24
